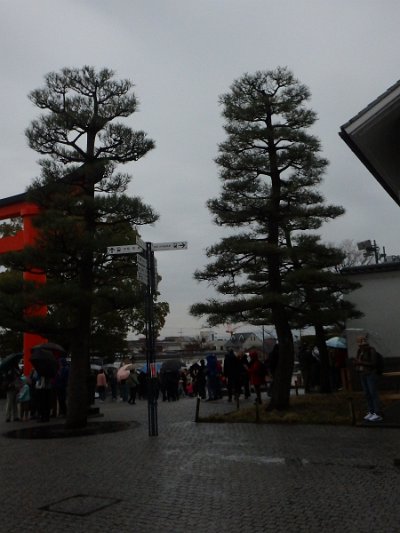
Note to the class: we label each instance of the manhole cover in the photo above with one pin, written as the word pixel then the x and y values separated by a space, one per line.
pixel 80 504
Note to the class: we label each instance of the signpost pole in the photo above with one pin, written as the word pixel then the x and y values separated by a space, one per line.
pixel 150 344
pixel 147 274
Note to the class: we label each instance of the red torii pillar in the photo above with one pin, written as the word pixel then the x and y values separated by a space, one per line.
pixel 13 207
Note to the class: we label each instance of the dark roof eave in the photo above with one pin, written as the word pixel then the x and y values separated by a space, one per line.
pixel 367 163
pixel 373 104
pixel 10 200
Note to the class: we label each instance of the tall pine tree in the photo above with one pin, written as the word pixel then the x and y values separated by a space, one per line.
pixel 84 208
pixel 318 294
pixel 270 168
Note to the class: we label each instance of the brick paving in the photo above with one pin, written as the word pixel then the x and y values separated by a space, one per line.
pixel 211 478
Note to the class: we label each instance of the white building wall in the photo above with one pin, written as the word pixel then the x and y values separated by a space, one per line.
pixel 379 300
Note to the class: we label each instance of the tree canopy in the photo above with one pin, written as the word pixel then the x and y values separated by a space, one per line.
pixel 270 170
pixel 84 208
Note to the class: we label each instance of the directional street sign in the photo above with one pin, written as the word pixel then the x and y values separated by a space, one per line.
pixel 140 246
pixel 141 274
pixel 141 269
pixel 146 273
pixel 142 261
pixel 140 243
pixel 161 246
pixel 125 249
pixel 155 274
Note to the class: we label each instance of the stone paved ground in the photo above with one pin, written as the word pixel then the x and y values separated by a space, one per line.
pixel 211 478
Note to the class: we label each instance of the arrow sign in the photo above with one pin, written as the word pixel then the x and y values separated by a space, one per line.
pixel 141 274
pixel 140 243
pixel 141 261
pixel 125 249
pixel 141 278
pixel 164 246
pixel 142 270
pixel 155 275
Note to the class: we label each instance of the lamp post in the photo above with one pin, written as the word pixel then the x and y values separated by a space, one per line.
pixel 370 249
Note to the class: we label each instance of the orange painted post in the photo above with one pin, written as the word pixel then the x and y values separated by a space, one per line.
pixel 32 339
pixel 13 207
pixel 30 233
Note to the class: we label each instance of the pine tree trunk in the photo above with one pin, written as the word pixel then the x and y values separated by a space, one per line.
pixel 280 394
pixel 78 396
pixel 280 397
pixel 78 400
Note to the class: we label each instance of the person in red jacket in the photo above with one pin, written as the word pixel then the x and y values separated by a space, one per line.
pixel 256 372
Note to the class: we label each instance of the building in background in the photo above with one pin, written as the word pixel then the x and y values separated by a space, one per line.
pixel 379 299
pixel 373 135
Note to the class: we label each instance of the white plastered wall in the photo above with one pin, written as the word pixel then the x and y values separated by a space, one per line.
pixel 379 300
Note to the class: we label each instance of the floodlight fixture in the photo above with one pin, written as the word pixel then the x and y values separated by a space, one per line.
pixel 371 249
pixel 364 245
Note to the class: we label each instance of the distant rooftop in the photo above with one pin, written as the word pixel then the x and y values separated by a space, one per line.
pixel 389 266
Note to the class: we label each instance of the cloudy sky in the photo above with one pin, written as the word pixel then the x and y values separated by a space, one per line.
pixel 181 55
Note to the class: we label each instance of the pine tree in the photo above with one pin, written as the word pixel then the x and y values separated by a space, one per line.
pixel 84 208
pixel 270 169
pixel 318 292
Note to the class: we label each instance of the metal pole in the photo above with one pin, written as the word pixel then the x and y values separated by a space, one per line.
pixel 263 341
pixel 150 345
pixel 376 250
pixel 196 418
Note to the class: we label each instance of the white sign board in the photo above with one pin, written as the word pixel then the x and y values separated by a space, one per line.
pixel 141 269
pixel 140 243
pixel 140 260
pixel 125 249
pixel 155 273
pixel 161 246
pixel 141 275
pixel 142 279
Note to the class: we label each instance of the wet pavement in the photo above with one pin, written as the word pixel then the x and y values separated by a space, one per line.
pixel 211 478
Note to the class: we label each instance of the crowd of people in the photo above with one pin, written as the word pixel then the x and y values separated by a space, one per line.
pixel 41 398
pixel 237 374
pixel 240 373
pixel 244 374
pixel 209 378
pixel 35 396
pixel 310 367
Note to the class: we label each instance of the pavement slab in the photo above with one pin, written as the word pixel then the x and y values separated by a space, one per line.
pixel 200 477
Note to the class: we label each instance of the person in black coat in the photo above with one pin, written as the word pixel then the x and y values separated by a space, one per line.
pixel 200 380
pixel 244 374
pixel 232 370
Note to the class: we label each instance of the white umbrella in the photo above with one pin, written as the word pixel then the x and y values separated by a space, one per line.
pixel 337 342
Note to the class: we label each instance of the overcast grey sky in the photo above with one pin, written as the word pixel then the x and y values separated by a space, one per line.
pixel 183 54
